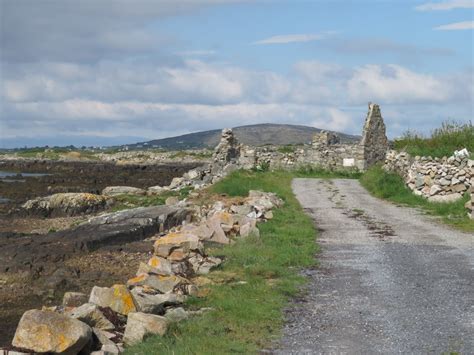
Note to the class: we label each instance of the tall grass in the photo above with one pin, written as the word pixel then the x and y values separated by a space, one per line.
pixel 443 141
pixel 392 187
pixel 254 284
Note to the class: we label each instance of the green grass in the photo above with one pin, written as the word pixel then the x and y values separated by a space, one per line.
pixel 287 149
pixel 260 275
pixel 126 201
pixel 444 141
pixel 391 187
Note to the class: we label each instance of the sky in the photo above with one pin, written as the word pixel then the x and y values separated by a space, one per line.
pixel 111 72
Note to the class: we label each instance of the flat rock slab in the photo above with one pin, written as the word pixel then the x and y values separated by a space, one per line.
pixel 391 280
pixel 36 252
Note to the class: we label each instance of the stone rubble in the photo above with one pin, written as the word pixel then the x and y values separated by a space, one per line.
pixel 126 314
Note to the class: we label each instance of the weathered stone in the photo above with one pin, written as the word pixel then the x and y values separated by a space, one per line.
pixel 103 337
pixel 141 325
pixel 445 198
pixel 161 283
pixel 202 265
pixel 435 189
pixel 177 240
pixel 155 303
pixel 43 331
pixel 176 314
pixel 117 297
pixel 90 314
pixel 249 229
pixel 74 299
pixel 123 190
pixel 156 265
pixel 176 183
pixel 65 204
pixel 171 201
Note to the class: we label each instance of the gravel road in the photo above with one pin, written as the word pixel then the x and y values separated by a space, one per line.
pixel 390 280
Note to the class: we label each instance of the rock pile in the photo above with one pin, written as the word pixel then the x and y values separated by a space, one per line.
pixel 437 179
pixel 114 317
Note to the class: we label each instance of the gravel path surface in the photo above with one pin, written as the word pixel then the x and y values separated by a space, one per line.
pixel 391 280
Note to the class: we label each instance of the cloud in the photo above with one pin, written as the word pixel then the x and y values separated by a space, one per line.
pixel 395 84
pixel 294 38
pixel 446 5
pixel 88 31
pixel 466 25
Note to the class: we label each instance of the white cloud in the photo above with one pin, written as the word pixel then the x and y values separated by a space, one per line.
pixel 281 39
pixel 396 84
pixel 446 5
pixel 466 25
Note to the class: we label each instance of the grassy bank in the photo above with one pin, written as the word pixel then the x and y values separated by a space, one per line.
pixel 391 187
pixel 254 284
pixel 443 141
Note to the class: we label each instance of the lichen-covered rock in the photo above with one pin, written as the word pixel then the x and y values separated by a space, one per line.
pixel 156 265
pixel 161 283
pixel 141 325
pixel 374 140
pixel 65 204
pixel 183 241
pixel 117 297
pixel 45 332
pixel 90 314
pixel 123 190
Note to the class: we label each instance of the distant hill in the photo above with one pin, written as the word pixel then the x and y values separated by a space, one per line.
pixel 259 134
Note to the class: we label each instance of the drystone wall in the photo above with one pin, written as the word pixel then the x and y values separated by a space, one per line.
pixel 437 179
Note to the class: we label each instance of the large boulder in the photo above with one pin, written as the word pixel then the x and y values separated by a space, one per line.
pixel 65 204
pixel 123 190
pixel 141 325
pixel 49 332
pixel 117 297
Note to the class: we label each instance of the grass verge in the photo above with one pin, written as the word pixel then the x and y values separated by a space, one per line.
pixel 250 290
pixel 391 187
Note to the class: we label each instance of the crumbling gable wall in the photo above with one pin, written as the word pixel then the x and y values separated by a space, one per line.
pixel 374 140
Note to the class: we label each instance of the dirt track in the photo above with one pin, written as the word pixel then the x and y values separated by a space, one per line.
pixel 391 280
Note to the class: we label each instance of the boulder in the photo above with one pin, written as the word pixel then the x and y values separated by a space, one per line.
pixel 161 283
pixel 117 297
pixel 45 332
pixel 90 314
pixel 123 190
pixel 103 337
pixel 65 204
pixel 74 299
pixel 183 241
pixel 154 303
pixel 141 325
pixel 445 198
pixel 156 265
